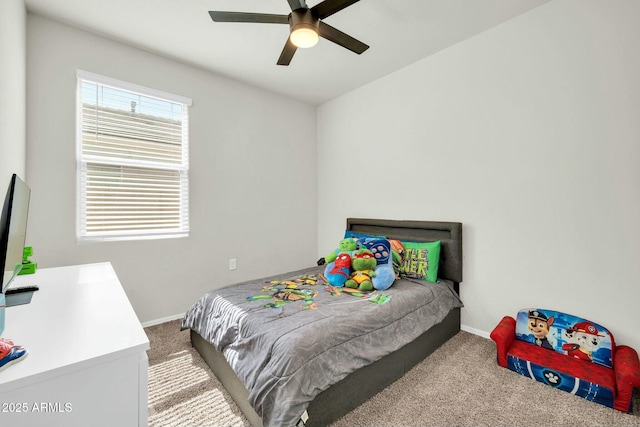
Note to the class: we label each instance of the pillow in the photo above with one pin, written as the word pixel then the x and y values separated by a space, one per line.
pixel 356 235
pixel 379 247
pixel 421 261
pixel 397 253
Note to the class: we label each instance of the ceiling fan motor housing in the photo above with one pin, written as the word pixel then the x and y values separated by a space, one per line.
pixel 303 18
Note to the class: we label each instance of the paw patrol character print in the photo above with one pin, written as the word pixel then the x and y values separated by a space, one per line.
pixel 539 326
pixel 583 339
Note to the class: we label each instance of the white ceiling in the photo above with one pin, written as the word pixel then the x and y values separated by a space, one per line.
pixel 399 32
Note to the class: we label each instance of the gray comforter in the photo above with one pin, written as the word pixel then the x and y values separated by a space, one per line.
pixel 287 355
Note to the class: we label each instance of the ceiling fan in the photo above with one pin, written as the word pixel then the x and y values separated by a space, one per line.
pixel 305 25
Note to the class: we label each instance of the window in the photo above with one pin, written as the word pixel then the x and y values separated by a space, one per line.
pixel 133 161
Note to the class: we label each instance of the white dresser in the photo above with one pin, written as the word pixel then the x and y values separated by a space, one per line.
pixel 87 362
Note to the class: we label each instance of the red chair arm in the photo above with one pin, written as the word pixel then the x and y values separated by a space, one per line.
pixel 627 369
pixel 504 334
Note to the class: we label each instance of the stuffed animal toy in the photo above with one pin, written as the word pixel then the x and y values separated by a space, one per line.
pixel 338 269
pixel 381 250
pixel 363 264
pixel 347 245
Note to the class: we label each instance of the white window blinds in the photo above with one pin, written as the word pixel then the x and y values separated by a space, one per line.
pixel 133 161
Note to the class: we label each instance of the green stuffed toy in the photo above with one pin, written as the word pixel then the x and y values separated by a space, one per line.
pixel 348 246
pixel 363 264
pixel 338 267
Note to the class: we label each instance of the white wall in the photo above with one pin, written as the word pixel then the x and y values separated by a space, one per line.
pixel 13 24
pixel 252 178
pixel 529 135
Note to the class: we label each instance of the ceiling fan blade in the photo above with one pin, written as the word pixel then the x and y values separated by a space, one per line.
pixel 287 53
pixel 266 18
pixel 338 37
pixel 329 7
pixel 297 4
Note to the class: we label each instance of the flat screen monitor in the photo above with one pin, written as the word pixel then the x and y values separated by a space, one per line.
pixel 13 229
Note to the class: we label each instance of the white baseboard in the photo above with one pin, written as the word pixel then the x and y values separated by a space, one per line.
pixel 478 332
pixel 163 320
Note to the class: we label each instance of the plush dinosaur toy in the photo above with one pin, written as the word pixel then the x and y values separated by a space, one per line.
pixel 363 264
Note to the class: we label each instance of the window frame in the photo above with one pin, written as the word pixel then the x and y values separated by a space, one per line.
pixel 182 228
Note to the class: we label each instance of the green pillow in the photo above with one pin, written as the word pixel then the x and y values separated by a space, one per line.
pixel 421 260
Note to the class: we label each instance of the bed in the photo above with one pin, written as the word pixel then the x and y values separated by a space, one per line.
pixel 313 359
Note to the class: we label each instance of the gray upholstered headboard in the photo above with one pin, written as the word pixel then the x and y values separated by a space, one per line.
pixel 449 234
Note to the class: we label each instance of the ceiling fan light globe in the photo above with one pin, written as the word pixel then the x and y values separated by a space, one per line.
pixel 304 37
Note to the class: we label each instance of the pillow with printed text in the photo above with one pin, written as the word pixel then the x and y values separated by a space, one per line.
pixel 421 261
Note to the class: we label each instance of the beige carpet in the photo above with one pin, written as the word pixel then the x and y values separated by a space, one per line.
pixel 458 385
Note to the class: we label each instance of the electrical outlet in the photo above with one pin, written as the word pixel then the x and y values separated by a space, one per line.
pixel 232 264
